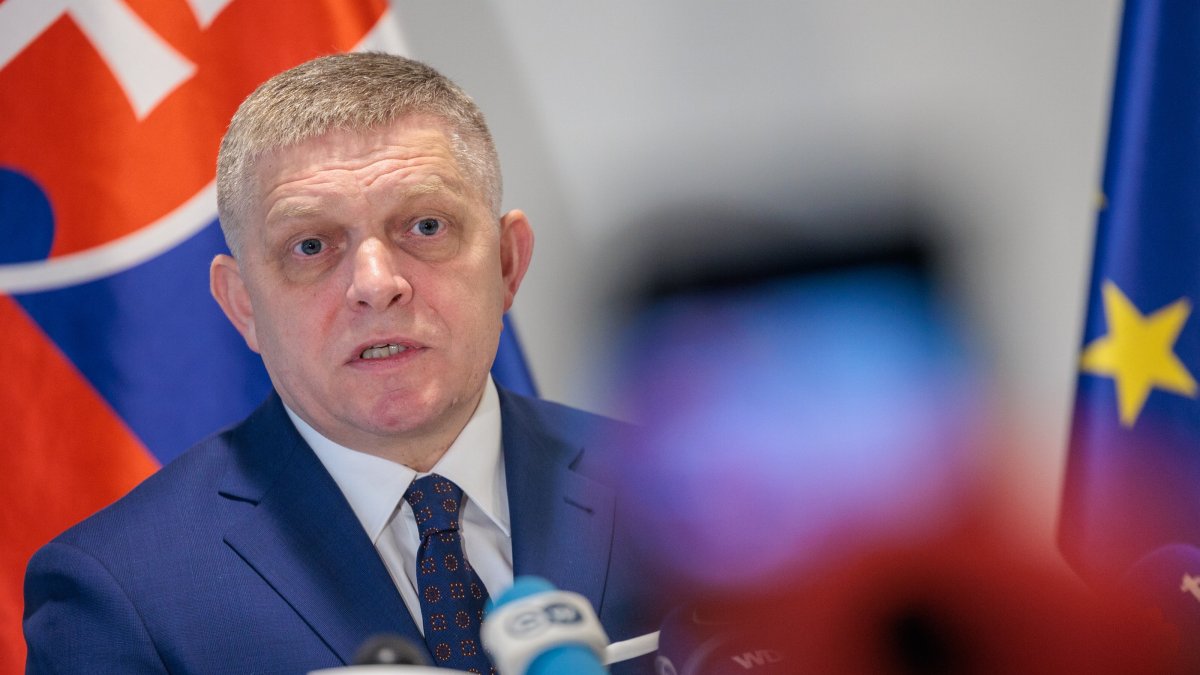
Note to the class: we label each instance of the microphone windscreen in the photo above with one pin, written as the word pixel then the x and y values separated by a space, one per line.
pixel 389 650
pixel 705 639
pixel 1169 579
pixel 536 629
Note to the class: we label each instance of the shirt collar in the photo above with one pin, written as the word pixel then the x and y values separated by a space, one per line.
pixel 374 485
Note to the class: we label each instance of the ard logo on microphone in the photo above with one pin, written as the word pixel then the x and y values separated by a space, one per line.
pixel 529 623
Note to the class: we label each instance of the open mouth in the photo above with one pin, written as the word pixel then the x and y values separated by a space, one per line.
pixel 381 351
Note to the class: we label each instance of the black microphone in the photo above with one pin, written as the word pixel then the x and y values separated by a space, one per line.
pixel 705 639
pixel 387 654
pixel 390 650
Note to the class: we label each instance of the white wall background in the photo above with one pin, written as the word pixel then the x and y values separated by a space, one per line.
pixel 995 113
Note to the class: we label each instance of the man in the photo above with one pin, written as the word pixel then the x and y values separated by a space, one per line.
pixel 360 197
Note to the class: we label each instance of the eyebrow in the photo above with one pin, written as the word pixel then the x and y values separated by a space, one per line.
pixel 433 185
pixel 292 210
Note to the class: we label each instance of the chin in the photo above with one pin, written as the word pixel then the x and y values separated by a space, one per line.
pixel 401 415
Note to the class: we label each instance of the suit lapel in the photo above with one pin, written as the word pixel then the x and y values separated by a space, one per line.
pixel 562 521
pixel 304 540
pixel 302 537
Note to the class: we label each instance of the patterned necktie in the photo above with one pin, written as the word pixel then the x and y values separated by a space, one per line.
pixel 452 596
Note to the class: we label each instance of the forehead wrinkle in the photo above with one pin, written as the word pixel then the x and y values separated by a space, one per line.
pixel 301 208
pixel 408 187
pixel 426 166
pixel 300 197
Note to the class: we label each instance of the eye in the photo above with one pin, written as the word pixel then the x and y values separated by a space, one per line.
pixel 309 247
pixel 427 227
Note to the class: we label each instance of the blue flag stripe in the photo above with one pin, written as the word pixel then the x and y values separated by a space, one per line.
pixel 157 347
pixel 510 369
pixel 1134 488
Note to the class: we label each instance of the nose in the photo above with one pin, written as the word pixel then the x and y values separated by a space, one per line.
pixel 376 281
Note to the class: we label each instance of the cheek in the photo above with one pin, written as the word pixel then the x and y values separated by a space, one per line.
pixel 473 314
pixel 471 289
pixel 298 322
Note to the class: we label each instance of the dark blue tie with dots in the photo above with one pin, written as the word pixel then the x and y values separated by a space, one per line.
pixel 452 596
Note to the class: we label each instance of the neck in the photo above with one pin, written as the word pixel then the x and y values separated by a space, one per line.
pixel 420 457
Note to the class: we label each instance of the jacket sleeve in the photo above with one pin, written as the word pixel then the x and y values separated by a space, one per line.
pixel 78 619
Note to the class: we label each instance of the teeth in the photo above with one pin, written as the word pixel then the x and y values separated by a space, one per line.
pixel 381 351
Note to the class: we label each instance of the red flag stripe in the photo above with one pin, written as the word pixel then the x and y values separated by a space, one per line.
pixel 56 473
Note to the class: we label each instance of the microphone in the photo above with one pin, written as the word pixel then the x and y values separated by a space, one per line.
pixel 1169 578
pixel 707 639
pixel 391 650
pixel 387 655
pixel 535 629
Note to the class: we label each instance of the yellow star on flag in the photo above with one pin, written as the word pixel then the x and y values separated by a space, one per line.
pixel 1138 352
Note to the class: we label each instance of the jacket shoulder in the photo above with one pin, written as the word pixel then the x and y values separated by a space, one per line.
pixel 170 498
pixel 597 439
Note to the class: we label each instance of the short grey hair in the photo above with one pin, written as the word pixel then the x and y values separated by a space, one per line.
pixel 352 92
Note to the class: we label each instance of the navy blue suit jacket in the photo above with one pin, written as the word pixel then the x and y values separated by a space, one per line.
pixel 243 556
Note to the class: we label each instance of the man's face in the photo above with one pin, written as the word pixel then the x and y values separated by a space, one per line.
pixel 372 281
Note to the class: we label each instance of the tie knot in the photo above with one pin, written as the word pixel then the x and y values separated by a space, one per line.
pixel 435 502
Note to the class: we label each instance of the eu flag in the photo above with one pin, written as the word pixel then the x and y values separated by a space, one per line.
pixel 1133 474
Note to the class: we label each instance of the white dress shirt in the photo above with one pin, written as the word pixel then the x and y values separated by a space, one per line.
pixel 375 488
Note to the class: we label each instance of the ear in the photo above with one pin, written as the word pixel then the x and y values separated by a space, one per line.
pixel 516 249
pixel 229 289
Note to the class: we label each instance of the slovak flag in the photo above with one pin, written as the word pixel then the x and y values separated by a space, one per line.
pixel 115 359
